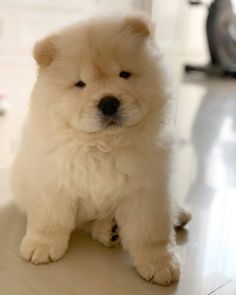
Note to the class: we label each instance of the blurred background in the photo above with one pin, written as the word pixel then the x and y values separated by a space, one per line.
pixel 204 176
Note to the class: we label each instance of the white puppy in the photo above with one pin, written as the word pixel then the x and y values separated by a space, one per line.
pixel 92 152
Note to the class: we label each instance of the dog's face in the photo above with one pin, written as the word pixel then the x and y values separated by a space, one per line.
pixel 99 75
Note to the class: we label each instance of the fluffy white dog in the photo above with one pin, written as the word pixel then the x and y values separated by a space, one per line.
pixel 94 151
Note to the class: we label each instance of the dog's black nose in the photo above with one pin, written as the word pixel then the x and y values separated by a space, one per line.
pixel 109 105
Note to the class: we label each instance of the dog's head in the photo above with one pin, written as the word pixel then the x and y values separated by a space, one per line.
pixel 100 75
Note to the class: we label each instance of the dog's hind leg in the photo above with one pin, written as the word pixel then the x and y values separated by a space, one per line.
pixel 105 231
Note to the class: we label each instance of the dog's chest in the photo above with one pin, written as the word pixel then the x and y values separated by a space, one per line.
pixel 97 179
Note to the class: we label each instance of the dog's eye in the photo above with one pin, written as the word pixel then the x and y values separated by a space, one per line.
pixel 80 84
pixel 125 75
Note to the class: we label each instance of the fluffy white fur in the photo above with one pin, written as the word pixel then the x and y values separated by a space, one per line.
pixel 72 169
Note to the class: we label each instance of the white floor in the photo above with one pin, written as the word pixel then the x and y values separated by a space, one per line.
pixel 204 180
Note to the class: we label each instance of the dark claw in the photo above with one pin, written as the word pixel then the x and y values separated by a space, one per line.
pixel 114 237
pixel 180 225
pixel 114 228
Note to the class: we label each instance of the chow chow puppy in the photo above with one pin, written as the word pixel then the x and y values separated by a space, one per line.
pixel 95 153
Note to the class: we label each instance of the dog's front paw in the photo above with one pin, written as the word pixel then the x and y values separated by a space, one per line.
pixel 43 248
pixel 158 265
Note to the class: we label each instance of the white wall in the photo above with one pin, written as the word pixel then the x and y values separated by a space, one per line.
pixel 180 28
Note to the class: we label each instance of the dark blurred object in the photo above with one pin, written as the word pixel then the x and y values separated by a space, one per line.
pixel 195 2
pixel 221 39
pixel 5 104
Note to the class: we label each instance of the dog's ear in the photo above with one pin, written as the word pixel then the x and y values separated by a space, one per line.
pixel 139 25
pixel 45 51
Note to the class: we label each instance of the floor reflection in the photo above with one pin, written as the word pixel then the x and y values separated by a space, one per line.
pixel 212 195
pixel 214 142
